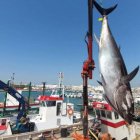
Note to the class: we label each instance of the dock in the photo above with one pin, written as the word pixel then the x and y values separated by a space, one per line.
pixel 61 133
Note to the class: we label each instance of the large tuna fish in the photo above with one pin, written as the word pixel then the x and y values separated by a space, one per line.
pixel 115 79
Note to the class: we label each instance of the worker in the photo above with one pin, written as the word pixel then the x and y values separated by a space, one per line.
pixel 96 124
pixel 23 119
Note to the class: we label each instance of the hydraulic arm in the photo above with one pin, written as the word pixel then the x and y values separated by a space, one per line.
pixel 17 96
pixel 88 66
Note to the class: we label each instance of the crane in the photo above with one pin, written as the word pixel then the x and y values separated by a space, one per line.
pixel 14 93
pixel 88 66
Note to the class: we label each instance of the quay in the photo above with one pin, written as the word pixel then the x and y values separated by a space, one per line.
pixel 61 133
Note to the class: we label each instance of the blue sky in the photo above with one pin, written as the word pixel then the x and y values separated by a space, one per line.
pixel 40 38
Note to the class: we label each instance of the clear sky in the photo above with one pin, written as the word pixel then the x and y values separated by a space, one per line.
pixel 40 38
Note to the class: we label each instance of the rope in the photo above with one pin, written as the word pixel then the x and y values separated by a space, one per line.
pixel 93 134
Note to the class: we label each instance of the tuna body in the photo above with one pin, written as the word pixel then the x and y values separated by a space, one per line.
pixel 113 72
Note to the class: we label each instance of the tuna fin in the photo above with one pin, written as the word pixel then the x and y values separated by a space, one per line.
pixel 100 83
pixel 130 76
pixel 103 80
pixel 104 11
pixel 106 98
pixel 96 38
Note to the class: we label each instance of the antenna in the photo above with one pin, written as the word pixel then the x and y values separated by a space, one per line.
pixel 60 80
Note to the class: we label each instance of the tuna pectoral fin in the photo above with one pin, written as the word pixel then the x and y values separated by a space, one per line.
pixel 97 40
pixel 102 10
pixel 103 80
pixel 103 83
pixel 109 102
pixel 130 76
pixel 100 83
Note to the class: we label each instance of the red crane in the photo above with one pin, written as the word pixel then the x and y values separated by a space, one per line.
pixel 88 66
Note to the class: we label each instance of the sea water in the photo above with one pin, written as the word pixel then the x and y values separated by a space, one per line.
pixel 34 95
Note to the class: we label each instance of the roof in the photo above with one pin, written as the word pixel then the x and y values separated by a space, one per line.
pixel 49 98
pixel 100 105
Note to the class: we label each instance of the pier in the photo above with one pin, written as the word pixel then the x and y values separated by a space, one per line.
pixel 61 133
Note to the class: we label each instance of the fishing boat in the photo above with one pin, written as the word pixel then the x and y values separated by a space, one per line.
pixel 113 124
pixel 53 113
pixel 12 105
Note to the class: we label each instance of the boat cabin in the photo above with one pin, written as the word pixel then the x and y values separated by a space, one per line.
pixel 51 105
pixel 53 112
pixel 112 122
pixel 5 128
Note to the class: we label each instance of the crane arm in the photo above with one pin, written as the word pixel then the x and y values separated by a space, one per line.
pixel 14 93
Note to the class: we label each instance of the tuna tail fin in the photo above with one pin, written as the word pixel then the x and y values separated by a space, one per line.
pixel 104 11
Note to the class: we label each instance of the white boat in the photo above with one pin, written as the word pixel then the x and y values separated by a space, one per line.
pixel 53 113
pixel 79 95
pixel 112 123
pixel 12 105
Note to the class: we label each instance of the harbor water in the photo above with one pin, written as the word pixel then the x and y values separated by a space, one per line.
pixel 34 95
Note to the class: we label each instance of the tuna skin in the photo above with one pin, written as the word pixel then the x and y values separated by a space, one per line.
pixel 115 79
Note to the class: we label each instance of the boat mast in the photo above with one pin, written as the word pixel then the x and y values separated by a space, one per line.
pixel 88 66
pixel 29 95
pixel 60 85
pixel 44 87
pixel 12 79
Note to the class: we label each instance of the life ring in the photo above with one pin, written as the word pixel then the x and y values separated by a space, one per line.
pixel 70 111
pixel 1 105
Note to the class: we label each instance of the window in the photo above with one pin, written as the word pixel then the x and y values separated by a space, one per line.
pixel 3 122
pixel 108 114
pixel 98 112
pixel 50 103
pixel 58 111
pixel 116 115
pixel 103 113
pixel 42 103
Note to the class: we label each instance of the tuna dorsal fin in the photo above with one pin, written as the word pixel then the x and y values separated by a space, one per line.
pixel 104 11
pixel 130 76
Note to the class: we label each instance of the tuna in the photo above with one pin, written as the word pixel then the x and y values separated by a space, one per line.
pixel 115 79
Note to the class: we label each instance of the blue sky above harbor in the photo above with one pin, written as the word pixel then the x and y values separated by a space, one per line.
pixel 39 39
